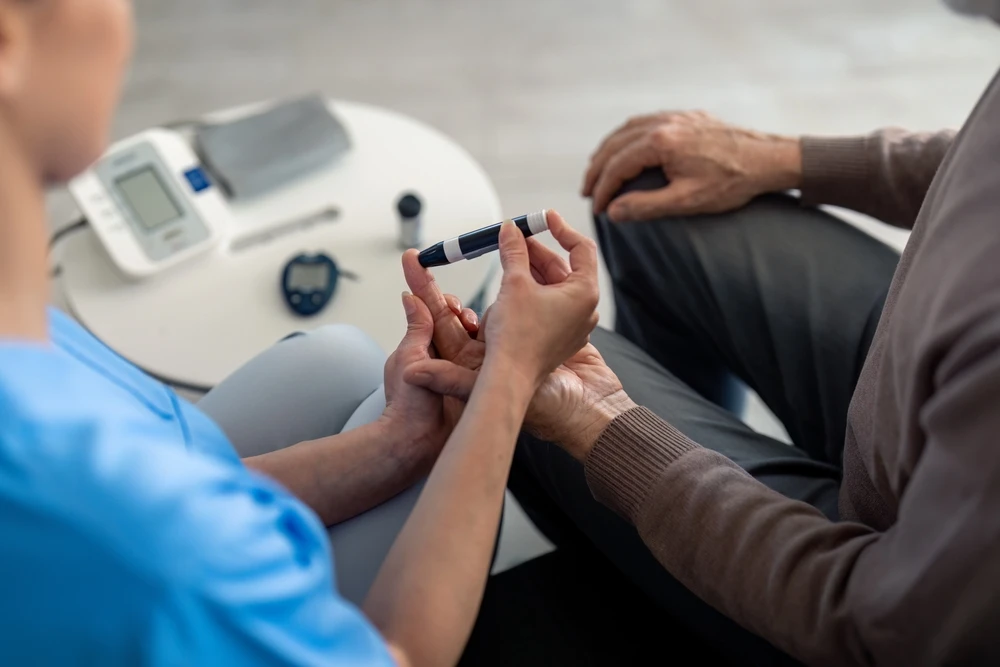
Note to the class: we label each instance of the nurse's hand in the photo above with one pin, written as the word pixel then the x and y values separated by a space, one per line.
pixel 573 405
pixel 414 417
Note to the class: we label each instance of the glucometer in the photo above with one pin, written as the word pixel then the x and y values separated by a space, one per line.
pixel 308 283
pixel 482 241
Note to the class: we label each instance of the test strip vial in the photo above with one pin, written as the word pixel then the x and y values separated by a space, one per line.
pixel 410 222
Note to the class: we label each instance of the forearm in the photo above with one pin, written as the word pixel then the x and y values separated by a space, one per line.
pixel 427 594
pixel 885 174
pixel 344 475
pixel 776 566
pixel 828 593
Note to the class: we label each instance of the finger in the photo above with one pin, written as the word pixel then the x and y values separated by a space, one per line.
pixel 582 249
pixel 419 323
pixel 642 205
pixel 481 336
pixel 441 377
pixel 449 333
pixel 635 122
pixel 625 165
pixel 469 320
pixel 607 150
pixel 547 266
pixel 454 303
pixel 513 249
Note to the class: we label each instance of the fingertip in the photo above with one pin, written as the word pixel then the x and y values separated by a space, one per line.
pixel 554 219
pixel 470 319
pixel 409 307
pixel 411 258
pixel 618 211
pixel 511 237
pixel 507 227
pixel 415 274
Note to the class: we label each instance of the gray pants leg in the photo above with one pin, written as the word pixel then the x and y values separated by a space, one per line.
pixel 781 298
pixel 309 387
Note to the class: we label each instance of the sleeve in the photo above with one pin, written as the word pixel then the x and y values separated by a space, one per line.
pixel 885 174
pixel 925 592
pixel 253 585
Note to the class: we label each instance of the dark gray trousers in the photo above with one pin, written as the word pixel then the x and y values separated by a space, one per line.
pixel 777 297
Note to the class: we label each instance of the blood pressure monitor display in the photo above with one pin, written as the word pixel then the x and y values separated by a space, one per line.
pixel 148 198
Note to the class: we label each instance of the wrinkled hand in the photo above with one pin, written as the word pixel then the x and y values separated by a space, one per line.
pixel 572 405
pixel 415 414
pixel 711 167
pixel 455 328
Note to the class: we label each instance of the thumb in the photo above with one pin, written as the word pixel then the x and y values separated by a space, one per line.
pixel 513 249
pixel 641 205
pixel 419 323
pixel 441 377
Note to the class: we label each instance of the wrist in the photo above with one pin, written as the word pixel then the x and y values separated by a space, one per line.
pixel 781 163
pixel 514 374
pixel 514 370
pixel 595 421
pixel 396 439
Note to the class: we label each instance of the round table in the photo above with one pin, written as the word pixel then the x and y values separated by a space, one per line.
pixel 198 322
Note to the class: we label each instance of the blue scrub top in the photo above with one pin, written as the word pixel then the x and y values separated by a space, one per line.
pixel 131 533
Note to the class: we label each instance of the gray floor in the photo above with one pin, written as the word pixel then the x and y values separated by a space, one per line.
pixel 530 86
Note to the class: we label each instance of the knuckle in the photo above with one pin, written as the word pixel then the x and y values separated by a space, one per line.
pixel 518 280
pixel 663 137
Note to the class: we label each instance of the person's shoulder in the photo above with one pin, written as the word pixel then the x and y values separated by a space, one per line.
pixel 128 541
pixel 73 449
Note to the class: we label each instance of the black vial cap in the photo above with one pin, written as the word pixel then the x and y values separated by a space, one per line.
pixel 409 206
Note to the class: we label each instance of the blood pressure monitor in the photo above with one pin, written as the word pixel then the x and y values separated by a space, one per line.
pixel 151 203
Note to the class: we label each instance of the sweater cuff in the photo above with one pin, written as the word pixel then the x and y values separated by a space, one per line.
pixel 832 165
pixel 630 456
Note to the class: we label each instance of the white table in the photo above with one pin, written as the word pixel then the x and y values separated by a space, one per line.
pixel 200 321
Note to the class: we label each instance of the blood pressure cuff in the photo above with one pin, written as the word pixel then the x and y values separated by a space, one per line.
pixel 253 155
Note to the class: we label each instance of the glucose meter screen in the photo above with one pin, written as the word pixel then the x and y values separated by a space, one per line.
pixel 144 192
pixel 309 277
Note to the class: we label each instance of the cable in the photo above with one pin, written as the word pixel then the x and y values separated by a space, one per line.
pixel 59 236
pixel 175 384
pixel 184 124
pixel 66 231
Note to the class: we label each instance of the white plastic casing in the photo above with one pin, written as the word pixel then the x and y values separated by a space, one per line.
pixel 110 219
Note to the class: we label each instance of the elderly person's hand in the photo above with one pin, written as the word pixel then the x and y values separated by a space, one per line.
pixel 711 166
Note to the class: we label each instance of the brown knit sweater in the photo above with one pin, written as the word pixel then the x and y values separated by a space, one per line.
pixel 911 575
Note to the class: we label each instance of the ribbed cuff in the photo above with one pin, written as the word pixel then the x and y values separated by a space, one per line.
pixel 831 165
pixel 630 456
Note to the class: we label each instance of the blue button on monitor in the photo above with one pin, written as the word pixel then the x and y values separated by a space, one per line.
pixel 198 179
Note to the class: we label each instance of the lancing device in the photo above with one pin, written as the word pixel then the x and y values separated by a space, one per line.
pixel 480 242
